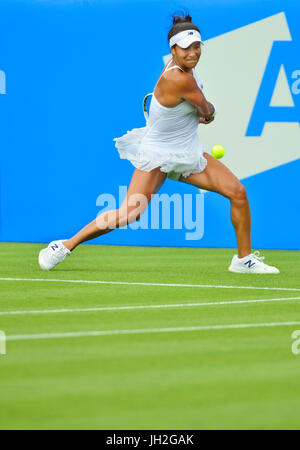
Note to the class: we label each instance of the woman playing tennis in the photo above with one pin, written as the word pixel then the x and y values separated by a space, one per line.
pixel 169 147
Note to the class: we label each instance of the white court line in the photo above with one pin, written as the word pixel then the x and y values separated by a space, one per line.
pixel 150 284
pixel 134 307
pixel 25 337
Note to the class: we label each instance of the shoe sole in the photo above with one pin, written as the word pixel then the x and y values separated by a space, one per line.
pixel 252 273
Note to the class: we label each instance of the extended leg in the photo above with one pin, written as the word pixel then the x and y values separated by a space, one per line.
pixel 142 186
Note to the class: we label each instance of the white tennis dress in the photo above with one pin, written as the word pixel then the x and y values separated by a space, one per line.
pixel 169 141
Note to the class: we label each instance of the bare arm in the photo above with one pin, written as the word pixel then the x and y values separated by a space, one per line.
pixel 190 91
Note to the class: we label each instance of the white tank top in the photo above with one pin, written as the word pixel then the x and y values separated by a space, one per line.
pixel 169 141
pixel 174 127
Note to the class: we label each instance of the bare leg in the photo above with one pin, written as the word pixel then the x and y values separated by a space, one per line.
pixel 218 178
pixel 142 186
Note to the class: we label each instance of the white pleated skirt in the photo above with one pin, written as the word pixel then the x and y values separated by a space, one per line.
pixel 148 155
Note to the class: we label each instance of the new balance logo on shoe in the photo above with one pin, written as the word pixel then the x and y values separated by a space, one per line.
pixel 54 247
pixel 249 263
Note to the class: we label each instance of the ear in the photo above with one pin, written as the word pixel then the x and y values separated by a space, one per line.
pixel 173 50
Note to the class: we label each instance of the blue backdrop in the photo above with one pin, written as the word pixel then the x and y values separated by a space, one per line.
pixel 73 74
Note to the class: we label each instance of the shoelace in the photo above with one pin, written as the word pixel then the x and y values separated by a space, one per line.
pixel 256 256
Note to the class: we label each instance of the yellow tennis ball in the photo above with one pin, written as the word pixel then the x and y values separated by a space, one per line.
pixel 218 151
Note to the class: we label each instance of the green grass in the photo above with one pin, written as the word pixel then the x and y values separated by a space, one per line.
pixel 228 379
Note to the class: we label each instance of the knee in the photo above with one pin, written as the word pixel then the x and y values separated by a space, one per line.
pixel 239 194
pixel 134 214
pixel 129 215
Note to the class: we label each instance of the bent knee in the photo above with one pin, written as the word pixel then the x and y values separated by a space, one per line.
pixel 239 193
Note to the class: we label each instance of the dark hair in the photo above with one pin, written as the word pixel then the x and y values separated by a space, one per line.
pixel 181 22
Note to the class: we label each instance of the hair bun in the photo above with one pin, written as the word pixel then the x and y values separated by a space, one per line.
pixel 181 19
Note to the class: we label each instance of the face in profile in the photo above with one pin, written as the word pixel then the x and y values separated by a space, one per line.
pixel 187 57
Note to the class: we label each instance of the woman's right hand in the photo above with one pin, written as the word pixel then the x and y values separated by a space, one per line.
pixel 206 122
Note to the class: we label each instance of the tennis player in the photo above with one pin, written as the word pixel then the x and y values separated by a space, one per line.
pixel 169 147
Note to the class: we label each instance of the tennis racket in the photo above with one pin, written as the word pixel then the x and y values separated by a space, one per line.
pixel 146 105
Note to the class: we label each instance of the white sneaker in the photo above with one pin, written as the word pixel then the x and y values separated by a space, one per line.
pixel 252 263
pixel 52 255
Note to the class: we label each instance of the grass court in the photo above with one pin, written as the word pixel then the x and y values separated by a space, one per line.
pixel 123 337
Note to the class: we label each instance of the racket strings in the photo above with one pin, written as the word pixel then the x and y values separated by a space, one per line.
pixel 146 105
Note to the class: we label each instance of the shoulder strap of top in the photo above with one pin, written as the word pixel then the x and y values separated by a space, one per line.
pixel 174 67
pixel 169 68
